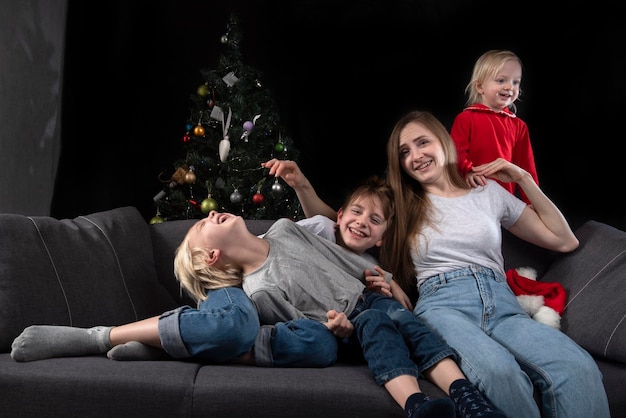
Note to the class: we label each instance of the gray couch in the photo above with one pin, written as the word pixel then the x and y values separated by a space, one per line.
pixel 111 268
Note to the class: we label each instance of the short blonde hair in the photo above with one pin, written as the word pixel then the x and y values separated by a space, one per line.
pixel 487 66
pixel 197 277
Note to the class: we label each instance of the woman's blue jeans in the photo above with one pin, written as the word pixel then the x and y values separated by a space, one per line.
pixel 505 352
pixel 394 341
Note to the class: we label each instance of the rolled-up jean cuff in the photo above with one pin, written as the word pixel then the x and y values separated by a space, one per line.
pixel 263 347
pixel 448 352
pixel 169 334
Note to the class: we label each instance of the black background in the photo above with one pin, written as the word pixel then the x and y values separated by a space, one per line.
pixel 342 72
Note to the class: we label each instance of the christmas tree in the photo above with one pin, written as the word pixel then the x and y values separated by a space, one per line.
pixel 233 127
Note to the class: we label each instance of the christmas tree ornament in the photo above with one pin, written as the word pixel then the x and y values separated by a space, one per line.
pixel 211 102
pixel 157 219
pixel 277 187
pixel 224 149
pixel 208 205
pixel 279 147
pixel 194 203
pixel 188 127
pixel 224 146
pixel 186 138
pixel 159 196
pixel 230 79
pixel 236 197
pixel 203 90
pixel 258 198
pixel 179 175
pixel 217 113
pixel 247 128
pixel 198 130
pixel 190 177
pixel 224 39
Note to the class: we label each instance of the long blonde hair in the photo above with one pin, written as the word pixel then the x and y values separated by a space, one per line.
pixel 486 67
pixel 412 206
pixel 197 277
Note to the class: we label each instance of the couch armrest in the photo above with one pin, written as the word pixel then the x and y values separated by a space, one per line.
pixel 594 276
pixel 96 269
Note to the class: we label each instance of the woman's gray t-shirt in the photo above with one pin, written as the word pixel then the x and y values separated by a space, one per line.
pixel 468 231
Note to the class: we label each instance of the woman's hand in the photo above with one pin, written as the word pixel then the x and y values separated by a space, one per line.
pixel 400 296
pixel 474 180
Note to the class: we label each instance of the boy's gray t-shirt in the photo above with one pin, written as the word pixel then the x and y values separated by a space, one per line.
pixel 325 227
pixel 305 276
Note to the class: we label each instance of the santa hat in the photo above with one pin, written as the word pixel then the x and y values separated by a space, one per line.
pixel 543 301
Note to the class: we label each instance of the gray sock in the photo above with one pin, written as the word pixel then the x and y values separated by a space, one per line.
pixel 134 350
pixel 46 341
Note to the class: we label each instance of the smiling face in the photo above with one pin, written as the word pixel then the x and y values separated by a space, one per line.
pixel 421 155
pixel 361 224
pixel 503 88
pixel 216 231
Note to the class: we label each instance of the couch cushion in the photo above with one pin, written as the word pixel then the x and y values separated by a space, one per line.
pixel 594 277
pixel 92 270
pixel 96 387
pixel 344 389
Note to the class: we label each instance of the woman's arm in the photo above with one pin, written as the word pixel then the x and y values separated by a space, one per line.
pixel 542 223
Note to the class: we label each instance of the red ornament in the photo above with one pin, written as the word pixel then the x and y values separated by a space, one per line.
pixel 258 198
pixel 187 138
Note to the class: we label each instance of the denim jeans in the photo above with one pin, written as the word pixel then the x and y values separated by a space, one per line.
pixel 226 325
pixel 297 343
pixel 505 352
pixel 223 327
pixel 394 341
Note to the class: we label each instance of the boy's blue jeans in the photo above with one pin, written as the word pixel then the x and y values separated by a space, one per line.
pixel 226 326
pixel 394 341
pixel 222 328
pixel 505 352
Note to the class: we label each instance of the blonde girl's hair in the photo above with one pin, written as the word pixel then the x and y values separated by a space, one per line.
pixel 197 277
pixel 486 67
pixel 412 206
